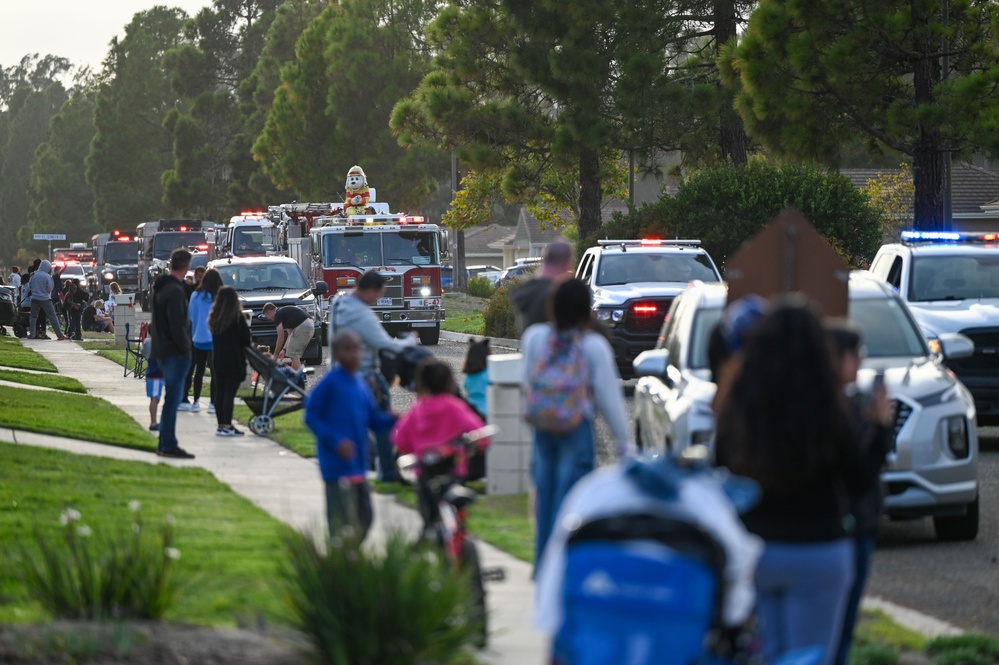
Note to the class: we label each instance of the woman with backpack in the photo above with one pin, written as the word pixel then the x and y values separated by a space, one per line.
pixel 569 372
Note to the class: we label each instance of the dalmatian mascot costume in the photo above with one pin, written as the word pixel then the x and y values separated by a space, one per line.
pixel 356 200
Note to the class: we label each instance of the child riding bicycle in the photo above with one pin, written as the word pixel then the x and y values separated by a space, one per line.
pixel 438 418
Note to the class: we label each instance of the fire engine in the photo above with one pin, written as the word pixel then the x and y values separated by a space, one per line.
pixel 403 248
pixel 249 234
pixel 157 240
pixel 117 261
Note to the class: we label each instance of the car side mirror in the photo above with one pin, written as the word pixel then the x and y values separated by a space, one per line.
pixel 654 363
pixel 321 288
pixel 956 345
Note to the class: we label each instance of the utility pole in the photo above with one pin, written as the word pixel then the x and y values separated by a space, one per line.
pixel 459 275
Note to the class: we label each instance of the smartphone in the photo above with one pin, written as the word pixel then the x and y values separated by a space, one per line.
pixel 879 382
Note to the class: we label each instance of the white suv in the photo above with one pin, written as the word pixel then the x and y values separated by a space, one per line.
pixel 933 469
pixel 634 283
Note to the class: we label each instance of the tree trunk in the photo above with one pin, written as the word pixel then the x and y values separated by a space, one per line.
pixel 458 270
pixel 731 133
pixel 927 153
pixel 590 192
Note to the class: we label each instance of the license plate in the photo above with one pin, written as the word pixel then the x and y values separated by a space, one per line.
pixel 384 302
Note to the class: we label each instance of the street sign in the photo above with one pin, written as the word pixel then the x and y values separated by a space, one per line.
pixel 50 236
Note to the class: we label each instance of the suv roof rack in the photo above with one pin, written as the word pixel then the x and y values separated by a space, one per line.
pixel 649 242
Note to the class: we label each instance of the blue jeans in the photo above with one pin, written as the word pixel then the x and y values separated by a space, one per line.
pixel 801 596
pixel 558 461
pixel 863 547
pixel 174 373
pixel 383 445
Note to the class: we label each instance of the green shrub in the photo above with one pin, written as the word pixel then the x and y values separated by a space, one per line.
pixel 480 287
pixel 962 656
pixel 358 607
pixel 980 644
pixel 499 315
pixel 86 576
pixel 873 653
pixel 726 206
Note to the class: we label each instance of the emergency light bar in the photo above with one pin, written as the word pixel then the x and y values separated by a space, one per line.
pixel 381 220
pixel 649 242
pixel 913 237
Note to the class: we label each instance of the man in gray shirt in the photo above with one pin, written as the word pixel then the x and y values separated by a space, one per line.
pixel 353 312
pixel 41 286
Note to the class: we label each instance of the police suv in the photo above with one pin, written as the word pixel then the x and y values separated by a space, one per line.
pixel 950 281
pixel 634 283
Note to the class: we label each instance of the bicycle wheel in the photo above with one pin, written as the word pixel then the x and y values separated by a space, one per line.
pixel 470 566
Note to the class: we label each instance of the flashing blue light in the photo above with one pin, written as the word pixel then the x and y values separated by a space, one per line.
pixel 933 235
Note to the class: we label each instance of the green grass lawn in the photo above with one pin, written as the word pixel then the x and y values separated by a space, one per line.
pixel 73 416
pixel 464 313
pixel 45 380
pixel 14 354
pixel 502 521
pixel 289 430
pixel 230 549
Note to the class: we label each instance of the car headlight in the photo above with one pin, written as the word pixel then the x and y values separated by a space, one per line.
pixel 310 309
pixel 425 292
pixel 956 435
pixel 109 276
pixel 610 316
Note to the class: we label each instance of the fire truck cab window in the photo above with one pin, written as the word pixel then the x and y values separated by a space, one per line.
pixel 363 249
pixel 418 248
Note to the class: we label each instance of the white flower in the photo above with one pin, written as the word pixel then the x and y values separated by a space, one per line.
pixel 69 516
pixel 136 528
pixel 134 506
pixel 83 531
pixel 169 519
pixel 171 553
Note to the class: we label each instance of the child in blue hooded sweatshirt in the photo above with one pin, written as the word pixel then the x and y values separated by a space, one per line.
pixel 340 411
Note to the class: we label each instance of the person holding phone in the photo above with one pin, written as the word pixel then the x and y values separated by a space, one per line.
pixel 871 415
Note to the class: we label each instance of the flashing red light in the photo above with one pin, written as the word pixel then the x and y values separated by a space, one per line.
pixel 183 228
pixel 252 213
pixel 644 309
pixel 990 237
pixel 651 242
pixel 116 233
pixel 204 247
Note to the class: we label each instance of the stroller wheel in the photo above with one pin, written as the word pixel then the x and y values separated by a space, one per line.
pixel 262 425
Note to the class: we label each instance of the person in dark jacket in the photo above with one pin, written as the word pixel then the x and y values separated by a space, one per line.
pixel 531 298
pixel 785 424
pixel 230 337
pixel 172 346
pixel 76 300
pixel 871 418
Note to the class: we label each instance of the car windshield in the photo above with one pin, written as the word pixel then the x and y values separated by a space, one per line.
pixel 165 243
pixel 631 267
pixel 120 252
pixel 957 277
pixel 253 240
pixel 366 249
pixel 199 259
pixel 888 329
pixel 262 276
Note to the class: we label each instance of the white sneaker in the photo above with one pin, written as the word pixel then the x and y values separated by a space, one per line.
pixel 211 407
pixel 195 407
pixel 184 406
pixel 224 431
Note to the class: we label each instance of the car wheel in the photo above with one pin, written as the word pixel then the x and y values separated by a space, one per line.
pixel 430 336
pixel 961 527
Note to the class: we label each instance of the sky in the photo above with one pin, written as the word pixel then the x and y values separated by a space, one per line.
pixel 79 30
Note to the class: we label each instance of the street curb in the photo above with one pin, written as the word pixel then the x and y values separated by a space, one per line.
pixel 495 342
pixel 914 620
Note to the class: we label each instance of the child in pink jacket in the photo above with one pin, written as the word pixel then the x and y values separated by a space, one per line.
pixel 437 419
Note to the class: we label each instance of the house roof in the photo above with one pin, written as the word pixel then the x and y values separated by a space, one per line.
pixel 488 239
pixel 971 186
pixel 531 233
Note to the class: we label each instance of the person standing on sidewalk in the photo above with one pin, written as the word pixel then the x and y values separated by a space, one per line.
pixel 172 346
pixel 15 281
pixel 41 286
pixel 76 301
pixel 201 339
pixel 340 411
pixel 354 313
pixel 230 337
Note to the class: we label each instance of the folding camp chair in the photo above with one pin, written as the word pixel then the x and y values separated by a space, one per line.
pixel 135 362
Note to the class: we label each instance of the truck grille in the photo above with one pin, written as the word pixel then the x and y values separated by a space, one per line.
pixel 646 324
pixel 902 412
pixel 986 357
pixel 393 290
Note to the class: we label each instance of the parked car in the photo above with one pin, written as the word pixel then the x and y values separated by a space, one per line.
pixel 933 468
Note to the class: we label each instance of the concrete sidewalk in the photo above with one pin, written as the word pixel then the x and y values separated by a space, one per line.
pixel 285 485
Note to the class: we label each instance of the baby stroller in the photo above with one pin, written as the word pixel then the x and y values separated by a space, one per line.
pixel 22 318
pixel 283 391
pixel 8 312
